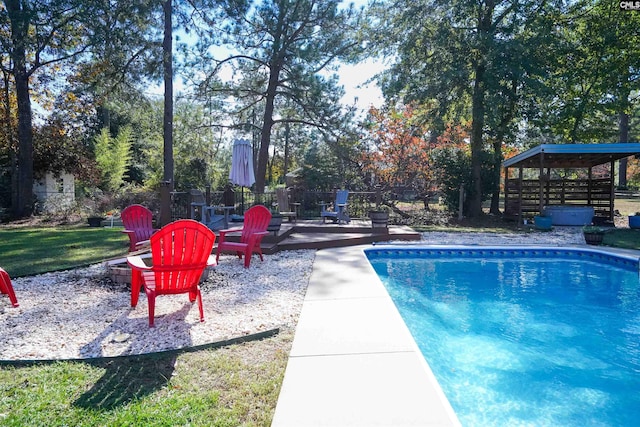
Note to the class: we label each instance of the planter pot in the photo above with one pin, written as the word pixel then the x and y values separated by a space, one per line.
pixel 275 224
pixel 593 238
pixel 542 222
pixel 95 221
pixel 634 221
pixel 379 221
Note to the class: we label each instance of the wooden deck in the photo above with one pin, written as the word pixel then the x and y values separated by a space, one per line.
pixel 303 234
pixel 313 234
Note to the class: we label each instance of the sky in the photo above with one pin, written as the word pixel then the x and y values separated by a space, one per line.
pixel 352 76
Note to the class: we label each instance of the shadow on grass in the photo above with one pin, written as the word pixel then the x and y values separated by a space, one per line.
pixel 130 378
pixel 127 379
pixel 625 238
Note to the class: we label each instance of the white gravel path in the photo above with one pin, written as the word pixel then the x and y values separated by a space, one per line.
pixel 557 236
pixel 81 314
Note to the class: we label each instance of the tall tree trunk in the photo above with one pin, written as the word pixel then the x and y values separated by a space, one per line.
pixel 503 129
pixel 477 125
pixel 167 185
pixel 623 137
pixel 10 132
pixel 24 192
pixel 497 164
pixel 287 129
pixel 167 65
pixel 267 125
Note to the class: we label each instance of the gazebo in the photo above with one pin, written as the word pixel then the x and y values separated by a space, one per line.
pixel 531 195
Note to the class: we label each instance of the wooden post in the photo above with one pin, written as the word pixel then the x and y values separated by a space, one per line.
pixel 506 190
pixel 540 183
pixel 589 187
pixel 612 191
pixel 520 176
pixel 165 203
pixel 548 186
pixel 378 196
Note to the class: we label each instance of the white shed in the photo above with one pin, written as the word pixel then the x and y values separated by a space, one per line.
pixel 55 193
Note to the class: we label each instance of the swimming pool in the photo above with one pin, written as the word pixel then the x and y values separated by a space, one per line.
pixel 522 336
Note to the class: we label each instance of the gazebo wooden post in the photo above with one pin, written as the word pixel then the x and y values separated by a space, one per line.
pixel 540 183
pixel 590 186
pixel 506 190
pixel 520 175
pixel 547 186
pixel 612 190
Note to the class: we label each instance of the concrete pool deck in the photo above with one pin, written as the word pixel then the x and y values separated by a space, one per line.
pixel 353 361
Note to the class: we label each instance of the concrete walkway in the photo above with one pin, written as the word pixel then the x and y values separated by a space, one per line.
pixel 353 360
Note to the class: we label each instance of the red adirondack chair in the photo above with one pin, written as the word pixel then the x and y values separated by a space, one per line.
pixel 138 225
pixel 7 288
pixel 180 252
pixel 256 220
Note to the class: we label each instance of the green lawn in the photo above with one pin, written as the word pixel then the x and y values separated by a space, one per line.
pixel 231 386
pixel 622 238
pixel 34 250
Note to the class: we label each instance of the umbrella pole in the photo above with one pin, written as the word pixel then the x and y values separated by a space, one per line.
pixel 242 189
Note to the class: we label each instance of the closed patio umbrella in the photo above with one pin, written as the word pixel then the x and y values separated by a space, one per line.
pixel 241 172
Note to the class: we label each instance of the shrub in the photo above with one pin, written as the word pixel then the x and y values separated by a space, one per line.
pixel 453 167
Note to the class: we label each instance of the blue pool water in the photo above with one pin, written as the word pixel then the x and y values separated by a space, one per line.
pixel 524 337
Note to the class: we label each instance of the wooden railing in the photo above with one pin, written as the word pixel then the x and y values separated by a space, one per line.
pixel 359 202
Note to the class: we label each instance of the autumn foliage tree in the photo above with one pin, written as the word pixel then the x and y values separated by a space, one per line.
pixel 398 157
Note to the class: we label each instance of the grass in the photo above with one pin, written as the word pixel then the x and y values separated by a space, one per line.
pixel 625 238
pixel 627 206
pixel 34 250
pixel 231 386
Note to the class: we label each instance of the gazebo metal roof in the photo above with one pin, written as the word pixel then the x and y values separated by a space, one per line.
pixel 572 155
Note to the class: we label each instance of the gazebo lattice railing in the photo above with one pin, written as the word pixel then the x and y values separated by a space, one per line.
pixel 522 197
pixel 528 197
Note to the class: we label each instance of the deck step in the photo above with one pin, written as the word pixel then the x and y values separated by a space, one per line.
pixel 316 235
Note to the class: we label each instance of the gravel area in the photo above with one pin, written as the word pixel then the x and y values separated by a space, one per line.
pixel 83 314
pixel 557 236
